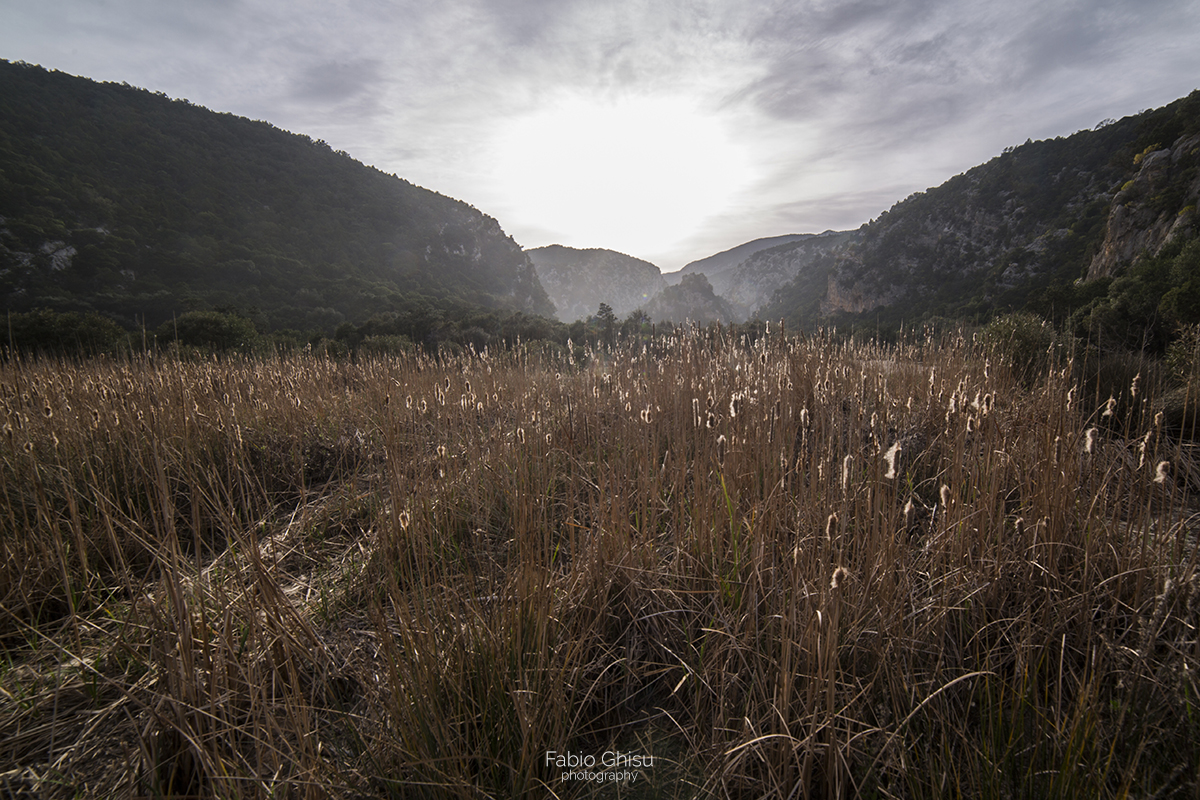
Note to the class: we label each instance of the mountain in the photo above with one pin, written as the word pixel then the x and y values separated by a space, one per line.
pixel 752 282
pixel 718 268
pixel 691 300
pixel 1053 226
pixel 578 281
pixel 125 202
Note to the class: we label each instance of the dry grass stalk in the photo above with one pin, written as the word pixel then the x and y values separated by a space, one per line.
pixel 790 567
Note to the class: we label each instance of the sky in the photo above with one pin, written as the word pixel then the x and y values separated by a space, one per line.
pixel 665 129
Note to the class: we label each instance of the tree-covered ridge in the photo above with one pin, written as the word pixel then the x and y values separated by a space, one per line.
pixel 122 201
pixel 1016 233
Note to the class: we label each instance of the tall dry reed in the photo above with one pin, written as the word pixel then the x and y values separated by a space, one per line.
pixel 789 567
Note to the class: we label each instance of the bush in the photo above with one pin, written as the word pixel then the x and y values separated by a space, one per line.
pixel 210 330
pixel 64 333
pixel 1024 341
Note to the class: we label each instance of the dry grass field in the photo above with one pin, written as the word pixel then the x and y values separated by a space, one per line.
pixel 788 567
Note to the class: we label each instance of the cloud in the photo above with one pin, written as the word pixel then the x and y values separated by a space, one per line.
pixel 335 81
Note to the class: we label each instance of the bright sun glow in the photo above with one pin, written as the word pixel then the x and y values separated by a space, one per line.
pixel 636 175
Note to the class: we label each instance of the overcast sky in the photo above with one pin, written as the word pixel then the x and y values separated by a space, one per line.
pixel 666 129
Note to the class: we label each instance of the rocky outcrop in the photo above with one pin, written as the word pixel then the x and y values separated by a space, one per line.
pixel 691 300
pixel 752 283
pixel 857 297
pixel 1157 205
pixel 578 281
pixel 720 268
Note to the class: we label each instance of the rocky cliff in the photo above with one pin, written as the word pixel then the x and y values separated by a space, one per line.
pixel 720 268
pixel 578 281
pixel 691 300
pixel 755 280
pixel 1157 205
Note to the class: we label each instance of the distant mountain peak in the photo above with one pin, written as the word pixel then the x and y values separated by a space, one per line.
pixel 579 280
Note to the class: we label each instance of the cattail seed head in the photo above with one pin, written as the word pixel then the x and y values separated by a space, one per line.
pixel 1109 406
pixel 890 458
pixel 839 575
pixel 1160 473
pixel 722 444
pixel 1089 442
pixel 945 495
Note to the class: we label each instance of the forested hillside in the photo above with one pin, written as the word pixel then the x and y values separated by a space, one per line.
pixel 1086 229
pixel 121 201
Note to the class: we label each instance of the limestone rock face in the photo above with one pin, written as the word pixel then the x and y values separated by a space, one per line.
pixel 752 283
pixel 1138 221
pixel 578 281
pixel 721 268
pixel 691 300
pixel 858 297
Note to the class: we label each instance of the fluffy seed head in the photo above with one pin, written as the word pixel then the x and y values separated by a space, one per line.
pixel 890 458
pixel 840 574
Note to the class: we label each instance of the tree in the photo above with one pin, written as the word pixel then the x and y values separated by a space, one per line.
pixel 608 323
pixel 210 330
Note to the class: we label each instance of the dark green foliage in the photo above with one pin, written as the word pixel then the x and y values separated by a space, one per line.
pixel 210 330
pixel 1143 308
pixel 124 202
pixel 1015 234
pixel 1023 341
pixel 608 321
pixel 70 333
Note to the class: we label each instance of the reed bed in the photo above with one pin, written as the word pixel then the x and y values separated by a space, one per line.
pixel 778 567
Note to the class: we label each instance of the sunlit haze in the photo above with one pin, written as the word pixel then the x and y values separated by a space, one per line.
pixel 637 175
